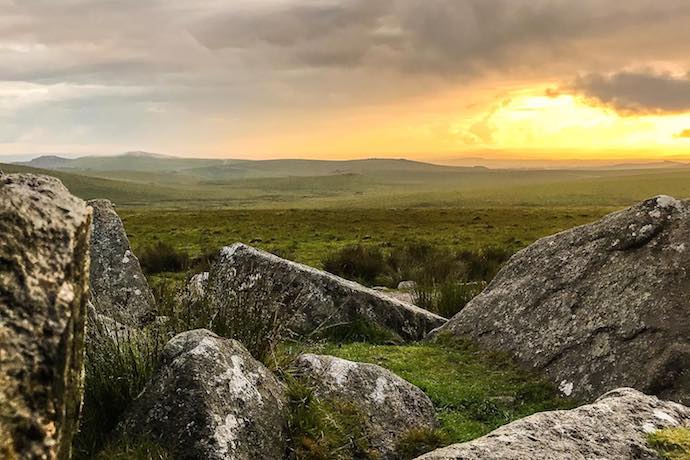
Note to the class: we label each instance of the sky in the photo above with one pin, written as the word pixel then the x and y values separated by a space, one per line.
pixel 430 80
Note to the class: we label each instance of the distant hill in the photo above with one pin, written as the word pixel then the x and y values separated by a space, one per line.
pixel 228 169
pixel 651 165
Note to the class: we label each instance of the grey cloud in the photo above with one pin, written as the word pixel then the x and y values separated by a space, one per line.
pixel 637 92
pixel 243 58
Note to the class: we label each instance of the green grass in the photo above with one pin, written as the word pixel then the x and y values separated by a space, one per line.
pixel 289 185
pixel 308 235
pixel 672 443
pixel 474 392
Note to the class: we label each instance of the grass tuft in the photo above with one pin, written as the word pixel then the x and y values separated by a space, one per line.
pixel 671 443
pixel 324 429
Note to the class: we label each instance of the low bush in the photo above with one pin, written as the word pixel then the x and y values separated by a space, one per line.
pixel 416 261
pixel 361 263
pixel 162 257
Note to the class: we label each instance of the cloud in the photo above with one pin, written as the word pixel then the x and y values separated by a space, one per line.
pixel 685 134
pixel 253 60
pixel 640 92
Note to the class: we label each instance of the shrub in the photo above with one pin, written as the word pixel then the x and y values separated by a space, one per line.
pixel 162 257
pixel 358 262
pixel 483 265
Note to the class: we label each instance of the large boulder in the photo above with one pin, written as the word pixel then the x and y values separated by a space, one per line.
pixel 317 301
pixel 210 400
pixel 597 307
pixel 390 407
pixel 615 427
pixel 118 287
pixel 44 263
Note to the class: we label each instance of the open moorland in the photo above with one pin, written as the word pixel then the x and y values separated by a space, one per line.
pixel 379 222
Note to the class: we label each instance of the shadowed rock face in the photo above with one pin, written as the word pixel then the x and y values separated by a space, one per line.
pixel 118 287
pixel 44 262
pixel 318 299
pixel 615 427
pixel 211 400
pixel 597 307
pixel 390 406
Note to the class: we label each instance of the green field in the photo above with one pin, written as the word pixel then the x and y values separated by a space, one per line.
pixel 307 211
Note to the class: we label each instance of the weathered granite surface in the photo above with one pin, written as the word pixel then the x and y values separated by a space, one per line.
pixel 615 427
pixel 119 288
pixel 597 307
pixel 211 400
pixel 44 263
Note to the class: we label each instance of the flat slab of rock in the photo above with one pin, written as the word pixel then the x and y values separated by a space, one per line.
pixel 44 241
pixel 119 289
pixel 615 427
pixel 318 299
pixel 211 400
pixel 391 406
pixel 597 307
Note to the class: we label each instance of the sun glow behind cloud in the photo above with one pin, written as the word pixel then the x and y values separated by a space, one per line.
pixel 534 120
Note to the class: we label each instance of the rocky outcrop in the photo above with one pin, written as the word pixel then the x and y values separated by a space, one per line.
pixel 118 287
pixel 390 406
pixel 615 427
pixel 597 307
pixel 210 400
pixel 44 238
pixel 317 301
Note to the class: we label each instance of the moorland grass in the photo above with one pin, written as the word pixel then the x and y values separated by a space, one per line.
pixel 310 235
pixel 473 391
pixel 671 443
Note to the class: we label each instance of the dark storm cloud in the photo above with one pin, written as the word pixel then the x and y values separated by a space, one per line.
pixel 637 92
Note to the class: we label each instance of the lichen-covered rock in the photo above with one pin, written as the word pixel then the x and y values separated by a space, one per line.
pixel 597 307
pixel 194 291
pixel 317 300
pixel 44 260
pixel 118 287
pixel 210 400
pixel 391 407
pixel 615 427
